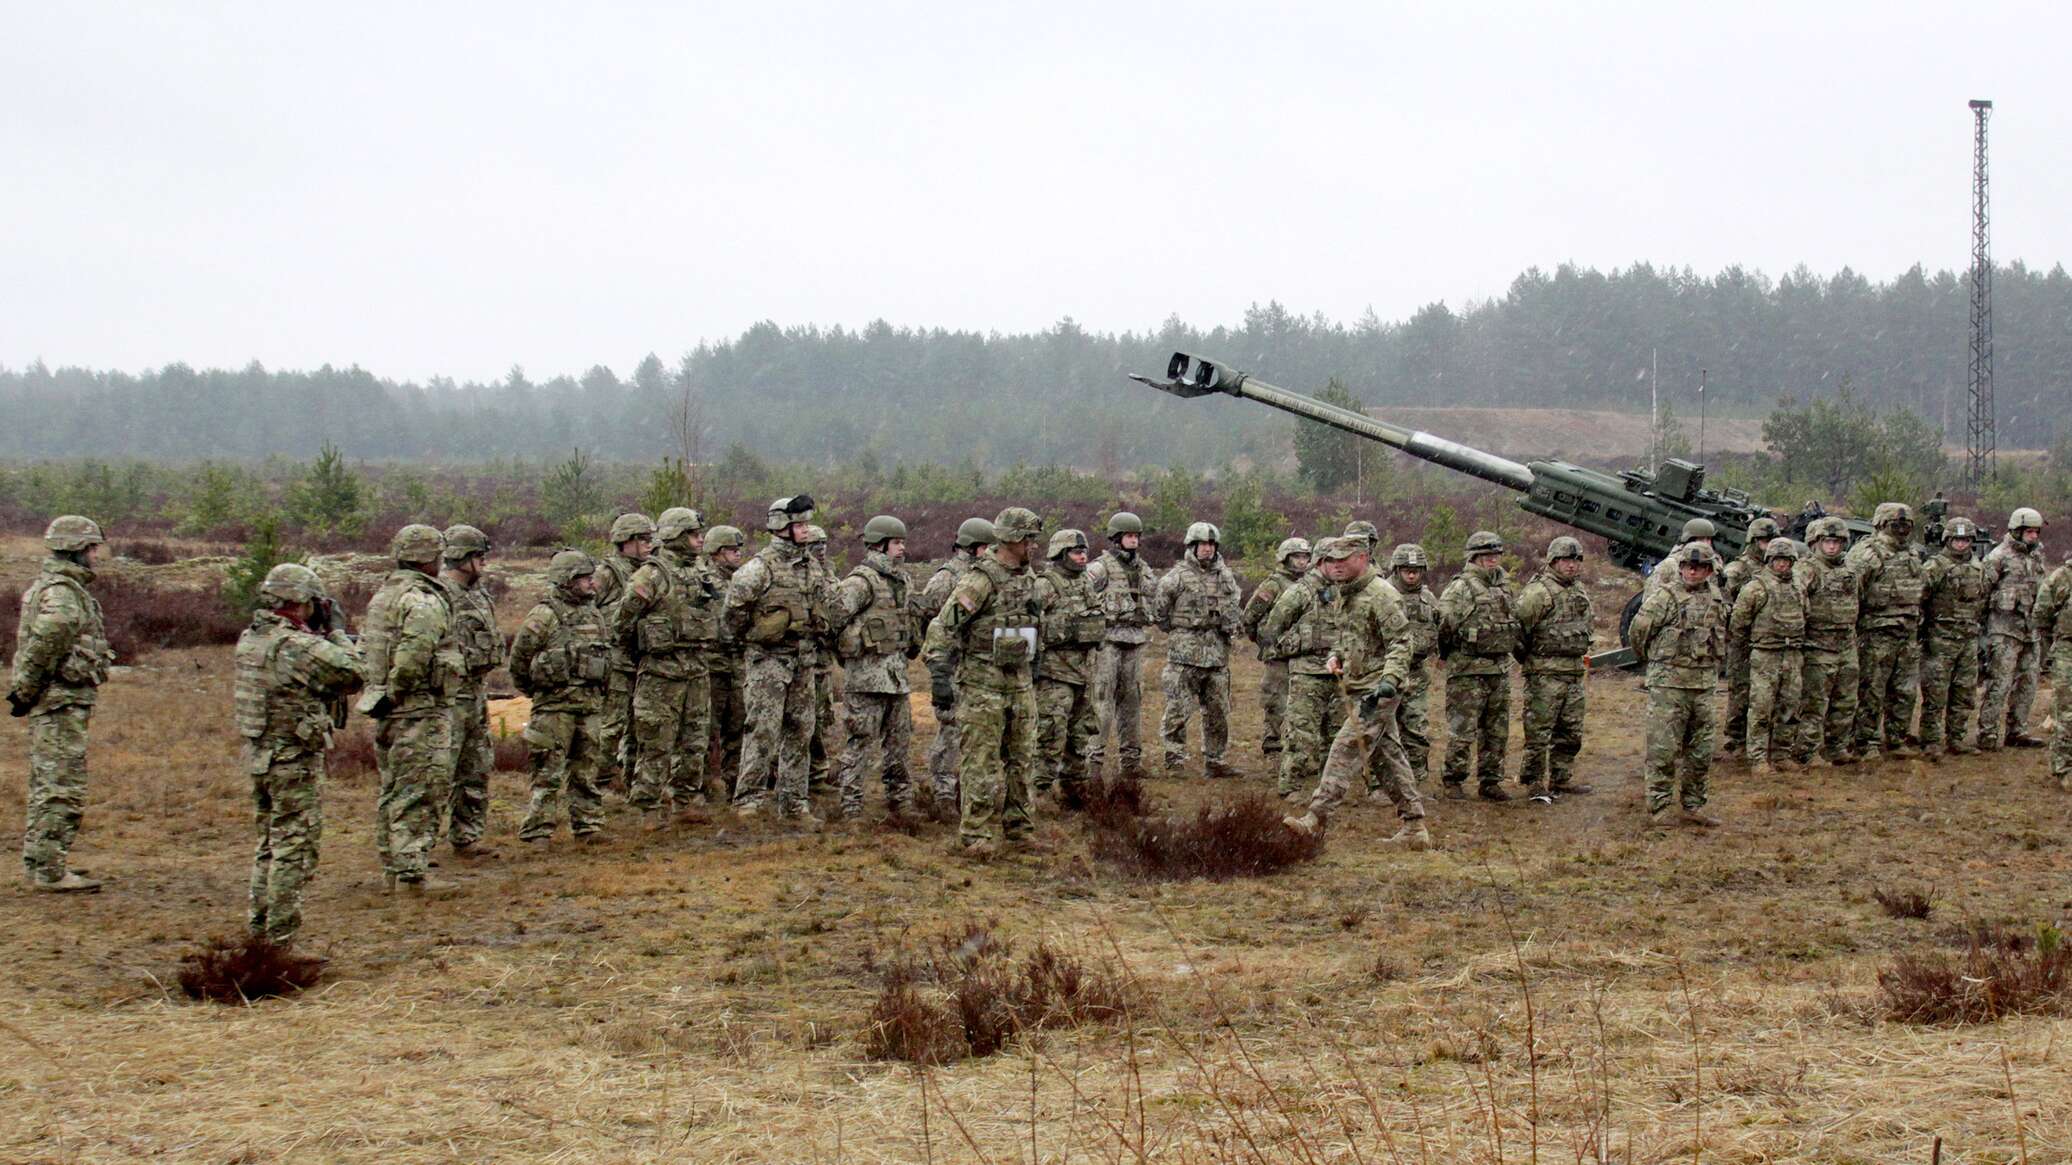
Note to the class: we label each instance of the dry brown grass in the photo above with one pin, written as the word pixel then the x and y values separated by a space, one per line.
pixel 245 969
pixel 965 994
pixel 2000 973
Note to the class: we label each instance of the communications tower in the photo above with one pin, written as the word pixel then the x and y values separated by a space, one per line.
pixel 1979 436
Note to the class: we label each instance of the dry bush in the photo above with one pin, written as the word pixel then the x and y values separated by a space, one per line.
pixel 1905 903
pixel 966 994
pixel 2001 972
pixel 240 970
pixel 148 552
pixel 142 618
pixel 1112 804
pixel 352 753
pixel 1240 839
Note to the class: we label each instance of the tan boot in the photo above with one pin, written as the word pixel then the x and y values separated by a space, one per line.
pixel 71 883
pixel 1413 835
pixel 428 887
pixel 1663 817
pixel 1307 824
pixel 1700 818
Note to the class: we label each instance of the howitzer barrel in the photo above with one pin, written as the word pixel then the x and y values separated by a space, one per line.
pixel 1191 376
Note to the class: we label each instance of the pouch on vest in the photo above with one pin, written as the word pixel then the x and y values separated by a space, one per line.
pixel 658 635
pixel 769 627
pixel 1013 646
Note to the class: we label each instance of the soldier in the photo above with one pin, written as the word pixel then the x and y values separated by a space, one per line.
pixel 1696 532
pixel 1366 532
pixel 1125 583
pixel 562 659
pixel 1478 631
pixel 991 626
pixel 1300 633
pixel 1739 573
pixel 723 548
pixel 1407 566
pixel 1072 632
pixel 61 657
pixel 1769 620
pixel 875 638
pixel 1293 559
pixel 778 604
pixel 974 535
pixel 2013 570
pixel 1688 623
pixel 295 666
pixel 1888 641
pixel 1554 615
pixel 481 652
pixel 1953 609
pixel 412 664
pixel 2054 637
pixel 667 620
pixel 1802 524
pixel 1933 513
pixel 1372 654
pixel 1196 605
pixel 1833 587
pixel 821 753
pixel 632 538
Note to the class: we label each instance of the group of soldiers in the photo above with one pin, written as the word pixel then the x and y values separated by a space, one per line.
pixel 693 673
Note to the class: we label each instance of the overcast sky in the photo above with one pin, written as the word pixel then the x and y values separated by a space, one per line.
pixel 451 188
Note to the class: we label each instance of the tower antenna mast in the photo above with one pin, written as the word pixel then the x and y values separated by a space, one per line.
pixel 1979 435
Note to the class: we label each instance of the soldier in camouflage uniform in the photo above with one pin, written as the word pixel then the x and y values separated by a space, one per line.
pixel 61 657
pixel 779 604
pixel 481 652
pixel 1407 566
pixel 413 668
pixel 1769 621
pixel 875 638
pixel 1680 633
pixel 2054 636
pixel 1696 532
pixel 1888 638
pixel 1478 632
pixel 1300 632
pixel 1372 653
pixel 633 540
pixel 667 619
pixel 1196 605
pixel 1125 583
pixel 974 535
pixel 1554 623
pixel 1833 587
pixel 1366 532
pixel 1740 573
pixel 1073 628
pixel 1953 610
pixel 1292 557
pixel 295 666
pixel 820 755
pixel 991 626
pixel 723 555
pixel 562 659
pixel 2014 570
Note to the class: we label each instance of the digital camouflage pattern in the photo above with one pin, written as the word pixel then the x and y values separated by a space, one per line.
pixel 875 640
pixel 990 625
pixel 1888 639
pixel 1769 624
pixel 1953 609
pixel 562 659
pixel 2053 616
pixel 1126 584
pixel 779 604
pixel 2014 573
pixel 413 665
pixel 61 657
pixel 1196 605
pixel 1554 623
pixel 1680 632
pixel 474 752
pixel 1478 633
pixel 1073 630
pixel 667 619
pixel 1828 681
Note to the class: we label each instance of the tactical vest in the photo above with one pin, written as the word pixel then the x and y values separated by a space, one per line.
pixel 1074 620
pixel 1893 587
pixel 2061 625
pixel 578 653
pixel 86 663
pixel 1362 652
pixel 1564 631
pixel 685 615
pixel 1960 602
pixel 1691 633
pixel 272 704
pixel 1491 629
pixel 1197 606
pixel 883 627
pixel 474 625
pixel 2018 574
pixel 616 570
pixel 378 633
pixel 1781 624
pixel 1127 600
pixel 787 614
pixel 997 641
pixel 1421 608
pixel 1831 603
pixel 1314 633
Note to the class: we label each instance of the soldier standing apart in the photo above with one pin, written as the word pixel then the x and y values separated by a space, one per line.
pixel 821 754
pixel 777 603
pixel 633 539
pixel 1953 608
pixel 1292 558
pixel 1680 632
pixel 2054 636
pixel 1769 620
pixel 1072 632
pixel 1372 655
pixel 1197 606
pixel 295 666
pixel 974 535
pixel 668 620
pixel 61 657
pixel 875 639
pixel 1478 632
pixel 1740 573
pixel 412 664
pixel 481 652
pixel 1299 632
pixel 1125 583
pixel 1889 636
pixel 561 658
pixel 2014 570
pixel 723 550
pixel 1407 566
pixel 1554 628
pixel 991 625
pixel 1833 587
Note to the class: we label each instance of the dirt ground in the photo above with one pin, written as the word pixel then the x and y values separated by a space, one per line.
pixel 1560 982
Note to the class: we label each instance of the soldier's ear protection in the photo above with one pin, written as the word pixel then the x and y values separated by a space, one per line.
pixel 802 504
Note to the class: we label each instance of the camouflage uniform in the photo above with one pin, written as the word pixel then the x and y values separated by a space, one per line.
pixel 562 658
pixel 778 603
pixel 1769 622
pixel 2054 636
pixel 1072 632
pixel 875 642
pixel 1197 607
pixel 413 663
pixel 1125 583
pixel 2014 570
pixel 481 652
pixel 1373 647
pixel 723 675
pixel 1953 607
pixel 1421 607
pixel 1680 632
pixel 1740 573
pixel 1827 692
pixel 1273 680
pixel 615 571
pixel 1888 635
pixel 667 620
pixel 1300 632
pixel 1478 631
pixel 61 657
pixel 289 681
pixel 1554 623
pixel 942 751
pixel 820 752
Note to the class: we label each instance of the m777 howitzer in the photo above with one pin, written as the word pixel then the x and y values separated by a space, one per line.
pixel 1639 512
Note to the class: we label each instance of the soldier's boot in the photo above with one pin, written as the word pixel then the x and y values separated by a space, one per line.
pixel 1413 835
pixel 654 820
pixel 1306 825
pixel 1959 748
pixel 1220 771
pixel 1786 764
pixel 1537 793
pixel 1456 790
pixel 1870 754
pixel 1819 762
pixel 1698 817
pixel 748 810
pixel 1988 743
pixel 1843 760
pixel 71 883
pixel 806 820
pixel 1664 816
pixel 982 850
pixel 2024 740
pixel 1175 764
pixel 1904 750
pixel 1573 788
pixel 1933 754
pixel 1375 794
pixel 474 851
pixel 427 887
pixel 1491 791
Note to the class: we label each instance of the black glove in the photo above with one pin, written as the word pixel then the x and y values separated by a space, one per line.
pixel 323 616
pixel 941 692
pixel 1370 704
pixel 18 704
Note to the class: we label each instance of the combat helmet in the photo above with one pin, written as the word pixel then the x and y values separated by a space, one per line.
pixel 1564 547
pixel 1699 528
pixel 724 538
pixel 1409 554
pixel 1698 556
pixel 1203 532
pixel 290 582
pixel 883 528
pixel 784 511
pixel 417 544
pixel 975 532
pixel 1290 549
pixel 1064 542
pixel 1781 548
pixel 1484 542
pixel 2022 519
pixel 1960 528
pixel 462 541
pixel 70 532
pixel 1123 522
pixel 1890 512
pixel 677 521
pixel 1762 528
pixel 627 527
pixel 569 565
pixel 1363 529
pixel 1829 527
pixel 814 536
pixel 1016 524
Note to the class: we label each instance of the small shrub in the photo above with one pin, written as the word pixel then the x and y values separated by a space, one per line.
pixel 1386 969
pixel 142 619
pixel 1905 903
pixel 352 753
pixel 240 970
pixel 966 994
pixel 148 553
pixel 511 754
pixel 1242 839
pixel 2001 972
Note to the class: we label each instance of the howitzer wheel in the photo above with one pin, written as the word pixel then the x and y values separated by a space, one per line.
pixel 1626 614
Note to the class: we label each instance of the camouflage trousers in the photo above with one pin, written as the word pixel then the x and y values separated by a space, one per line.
pixel 615 733
pixel 1478 724
pixel 1414 720
pixel 779 695
pixel 57 788
pixel 2061 712
pixel 1368 750
pixel 1949 687
pixel 879 730
pixel 820 755
pixel 1190 691
pixel 474 758
pixel 1066 727
pixel 1316 708
pixel 998 758
pixel 288 816
pixel 567 754
pixel 672 722
pixel 1827 704
pixel 943 760
pixel 1554 706
pixel 1680 739
pixel 1888 686
pixel 1273 704
pixel 2010 691
pixel 729 726
pixel 1774 677
pixel 1738 684
pixel 1119 698
pixel 415 756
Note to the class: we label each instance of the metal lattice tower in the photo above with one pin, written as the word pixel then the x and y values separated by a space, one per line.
pixel 1980 437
